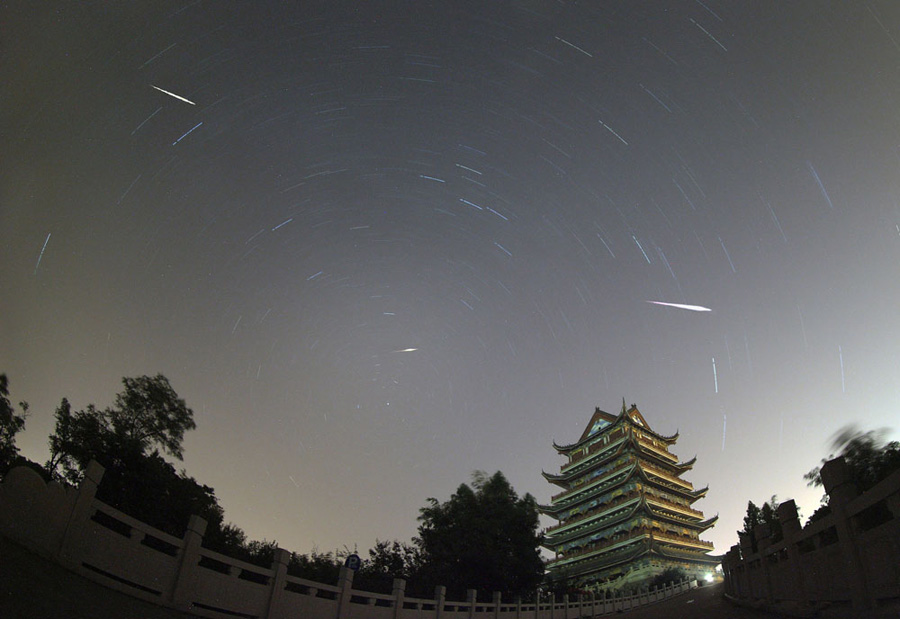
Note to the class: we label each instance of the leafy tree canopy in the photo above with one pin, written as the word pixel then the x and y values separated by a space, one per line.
pixel 869 458
pixel 126 438
pixel 147 414
pixel 485 537
pixel 10 425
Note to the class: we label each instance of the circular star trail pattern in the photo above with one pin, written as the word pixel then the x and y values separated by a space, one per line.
pixel 377 246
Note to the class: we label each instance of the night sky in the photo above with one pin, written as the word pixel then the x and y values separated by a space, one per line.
pixel 379 245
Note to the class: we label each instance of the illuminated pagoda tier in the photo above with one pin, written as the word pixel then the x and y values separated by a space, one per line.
pixel 624 513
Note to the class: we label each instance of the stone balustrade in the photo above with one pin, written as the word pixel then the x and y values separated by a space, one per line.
pixel 846 559
pixel 71 527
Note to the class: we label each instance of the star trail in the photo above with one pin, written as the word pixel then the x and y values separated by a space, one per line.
pixel 267 202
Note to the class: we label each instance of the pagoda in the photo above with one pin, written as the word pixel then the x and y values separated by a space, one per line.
pixel 624 512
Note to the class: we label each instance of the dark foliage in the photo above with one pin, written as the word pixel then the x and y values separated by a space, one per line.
pixel 10 425
pixel 485 537
pixel 316 566
pixel 147 415
pixel 762 515
pixel 868 457
pixel 387 561
pixel 670 575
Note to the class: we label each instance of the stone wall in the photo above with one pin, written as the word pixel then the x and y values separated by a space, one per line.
pixel 71 527
pixel 849 558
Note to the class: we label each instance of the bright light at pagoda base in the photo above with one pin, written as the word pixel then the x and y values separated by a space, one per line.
pixel 708 578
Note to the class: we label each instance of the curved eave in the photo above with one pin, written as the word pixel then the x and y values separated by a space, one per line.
pixel 566 536
pixel 577 470
pixel 581 442
pixel 708 523
pixel 601 487
pixel 686 466
pixel 682 519
pixel 698 493
pixel 606 559
pixel 553 478
pixel 670 552
pixel 669 440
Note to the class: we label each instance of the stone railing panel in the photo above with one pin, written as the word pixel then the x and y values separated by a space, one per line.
pixel 34 513
pixel 117 546
pixel 848 557
pixel 244 589
pixel 880 554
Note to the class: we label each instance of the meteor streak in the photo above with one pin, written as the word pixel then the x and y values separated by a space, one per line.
pixel 407 350
pixel 172 94
pixel 693 308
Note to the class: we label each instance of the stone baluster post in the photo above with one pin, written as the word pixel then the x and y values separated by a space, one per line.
pixel 279 566
pixel 791 529
pixel 345 583
pixel 763 536
pixel 440 598
pixel 399 593
pixel 497 601
pixel 73 541
pixel 841 490
pixel 471 598
pixel 188 559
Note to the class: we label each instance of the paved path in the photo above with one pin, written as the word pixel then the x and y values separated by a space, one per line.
pixel 703 603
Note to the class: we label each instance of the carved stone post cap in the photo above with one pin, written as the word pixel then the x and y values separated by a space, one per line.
pixel 440 591
pixel 787 511
pixel 197 524
pixel 346 575
pixel 470 594
pixel 94 471
pixel 835 473
pixel 282 557
pixel 399 584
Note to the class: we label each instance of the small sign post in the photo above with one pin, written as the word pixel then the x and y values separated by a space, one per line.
pixel 353 562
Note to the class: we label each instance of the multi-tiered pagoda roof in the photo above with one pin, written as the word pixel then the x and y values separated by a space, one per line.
pixel 624 510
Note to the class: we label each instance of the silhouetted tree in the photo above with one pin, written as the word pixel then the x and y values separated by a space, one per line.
pixel 868 457
pixel 320 567
pixel 762 515
pixel 147 415
pixel 390 560
pixel 485 537
pixel 10 425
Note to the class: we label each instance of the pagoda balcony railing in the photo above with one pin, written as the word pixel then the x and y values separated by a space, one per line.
pixel 620 500
pixel 684 540
pixel 663 452
pixel 581 487
pixel 666 475
pixel 675 506
pixel 600 545
pixel 591 452
pixel 636 534
pixel 600 508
